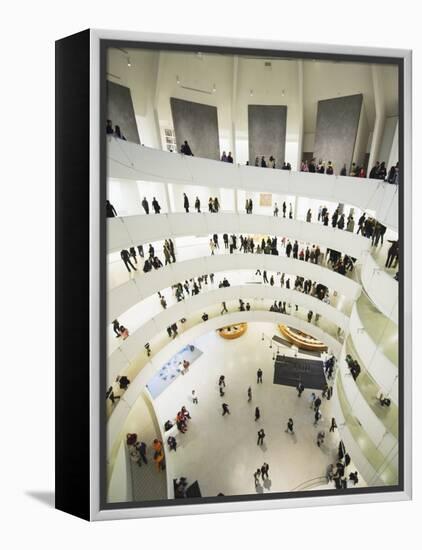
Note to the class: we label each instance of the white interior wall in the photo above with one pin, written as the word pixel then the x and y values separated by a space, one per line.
pixel 203 193
pixel 361 137
pixel 151 189
pixel 124 196
pixel 388 139
pixel 308 142
pixel 327 79
pixel 394 151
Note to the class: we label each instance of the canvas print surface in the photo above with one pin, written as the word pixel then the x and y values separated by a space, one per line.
pixel 252 276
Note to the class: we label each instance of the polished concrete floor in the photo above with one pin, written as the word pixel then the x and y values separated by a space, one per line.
pixel 221 452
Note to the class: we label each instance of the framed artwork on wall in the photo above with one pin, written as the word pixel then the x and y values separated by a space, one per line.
pixel 234 298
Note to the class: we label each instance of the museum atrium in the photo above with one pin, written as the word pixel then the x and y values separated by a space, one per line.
pixel 236 253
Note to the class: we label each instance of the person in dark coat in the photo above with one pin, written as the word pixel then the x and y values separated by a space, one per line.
pixel 185 202
pixel 145 205
pixel 257 413
pixel 261 436
pixel 186 150
pixel 110 210
pixel 288 249
pixel 374 171
pixel 109 127
pixel 156 206
pixel 295 250
pixel 392 254
pixel 124 254
pixel 198 205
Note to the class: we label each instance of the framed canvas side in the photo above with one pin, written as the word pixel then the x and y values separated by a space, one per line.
pixel 97 308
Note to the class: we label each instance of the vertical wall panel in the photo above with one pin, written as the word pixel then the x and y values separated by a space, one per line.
pixel 198 124
pixel 267 132
pixel 336 130
pixel 120 110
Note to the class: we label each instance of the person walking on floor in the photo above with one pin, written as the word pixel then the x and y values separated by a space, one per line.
pixel 224 310
pixel 194 398
pixel 249 392
pixel 261 436
pixel 257 414
pixel 333 424
pixel 317 417
pixel 290 425
pixel 320 438
pixel 198 205
pixel 300 387
pixel 256 477
pixel 264 471
pixel 259 376
pixel 124 254
pixel 225 409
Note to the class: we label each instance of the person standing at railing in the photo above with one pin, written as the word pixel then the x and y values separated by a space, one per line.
pixel 198 205
pixel 373 174
pixel 145 205
pixel 156 205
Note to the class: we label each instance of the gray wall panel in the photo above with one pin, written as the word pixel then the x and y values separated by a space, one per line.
pixel 336 130
pixel 198 124
pixel 120 110
pixel 267 132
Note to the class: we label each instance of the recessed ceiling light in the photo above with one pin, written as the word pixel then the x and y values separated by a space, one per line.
pixel 214 88
pixel 251 92
pixel 129 64
pixel 177 80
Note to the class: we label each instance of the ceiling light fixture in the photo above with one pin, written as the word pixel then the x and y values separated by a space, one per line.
pixel 283 92
pixel 129 64
pixel 214 88
pixel 251 92
pixel 177 80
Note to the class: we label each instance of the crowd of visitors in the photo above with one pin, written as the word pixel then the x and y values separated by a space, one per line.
pixel 378 171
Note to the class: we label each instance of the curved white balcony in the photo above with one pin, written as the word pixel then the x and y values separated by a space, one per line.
pixel 196 327
pixel 376 429
pixel 134 230
pixel 142 312
pixel 375 339
pixel 375 464
pixel 142 285
pixel 134 162
pixel 123 352
pixel 382 289
pixel 370 389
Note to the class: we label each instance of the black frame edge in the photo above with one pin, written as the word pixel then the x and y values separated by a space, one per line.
pixel 72 334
